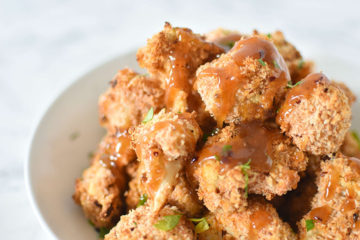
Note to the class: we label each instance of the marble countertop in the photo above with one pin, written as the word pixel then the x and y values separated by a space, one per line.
pixel 47 44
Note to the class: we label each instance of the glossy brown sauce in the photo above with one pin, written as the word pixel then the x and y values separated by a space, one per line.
pixel 349 205
pixel 181 69
pixel 231 78
pixel 258 220
pixel 321 214
pixel 253 141
pixel 115 151
pixel 156 160
pixel 304 90
pixel 332 184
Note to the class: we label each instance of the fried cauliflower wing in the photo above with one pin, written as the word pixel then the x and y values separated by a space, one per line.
pixel 335 208
pixel 316 115
pixel 173 55
pixel 273 166
pixel 139 224
pixel 259 221
pixel 128 100
pixel 163 146
pixel 100 189
pixel 244 84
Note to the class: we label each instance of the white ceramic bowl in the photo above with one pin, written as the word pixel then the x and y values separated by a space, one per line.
pixel 69 131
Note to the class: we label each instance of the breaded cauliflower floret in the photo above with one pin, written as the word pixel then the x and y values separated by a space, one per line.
pixel 139 225
pixel 259 221
pixel 182 196
pixel 316 115
pixel 173 55
pixel 163 146
pixel 298 68
pixel 216 230
pixel 336 206
pixel 128 100
pixel 244 84
pixel 273 168
pixel 100 190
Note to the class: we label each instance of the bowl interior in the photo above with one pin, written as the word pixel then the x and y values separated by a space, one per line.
pixel 69 131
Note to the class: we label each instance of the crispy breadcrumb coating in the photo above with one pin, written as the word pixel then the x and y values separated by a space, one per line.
pixel 216 230
pixel 128 100
pixel 173 55
pixel 335 208
pixel 298 68
pixel 222 181
pixel 139 224
pixel 316 115
pixel 101 188
pixel 259 221
pixel 163 146
pixel 244 84
pixel 349 94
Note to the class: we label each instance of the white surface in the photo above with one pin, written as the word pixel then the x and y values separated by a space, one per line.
pixel 45 45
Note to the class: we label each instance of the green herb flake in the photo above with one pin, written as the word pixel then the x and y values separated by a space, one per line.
pixel 201 226
pixel 276 64
pixel 262 62
pixel 217 157
pixel 142 200
pixel 135 224
pixel 230 44
pixel 103 231
pixel 244 169
pixel 269 35
pixel 309 224
pixel 300 64
pixel 149 115
pixel 168 223
pixel 91 155
pixel 91 223
pixel 74 136
pixel 290 85
pixel 226 149
pixel 355 135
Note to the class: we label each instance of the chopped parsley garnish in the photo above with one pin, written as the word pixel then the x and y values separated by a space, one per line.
pixel 216 157
pixel 226 149
pixel 229 44
pixel 289 85
pixel 276 64
pixel 244 168
pixel 355 135
pixel 142 200
pixel 300 64
pixel 135 224
pixel 262 62
pixel 149 115
pixel 201 226
pixel 103 231
pixel 168 223
pixel 309 224
pixel 74 136
pixel 269 35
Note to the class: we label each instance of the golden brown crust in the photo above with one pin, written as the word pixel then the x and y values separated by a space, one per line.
pixel 139 224
pixel 129 98
pixel 338 200
pixel 349 94
pixel 225 192
pixel 101 188
pixel 318 122
pixel 350 147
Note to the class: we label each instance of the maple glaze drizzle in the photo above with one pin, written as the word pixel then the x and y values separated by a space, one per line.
pixel 258 220
pixel 321 214
pixel 181 70
pixel 253 141
pixel 155 159
pixel 114 152
pixel 332 184
pixel 231 78
pixel 302 91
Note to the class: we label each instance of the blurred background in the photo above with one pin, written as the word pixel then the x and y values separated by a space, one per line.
pixel 46 44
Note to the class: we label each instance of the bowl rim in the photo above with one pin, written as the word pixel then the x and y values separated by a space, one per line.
pixel 34 132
